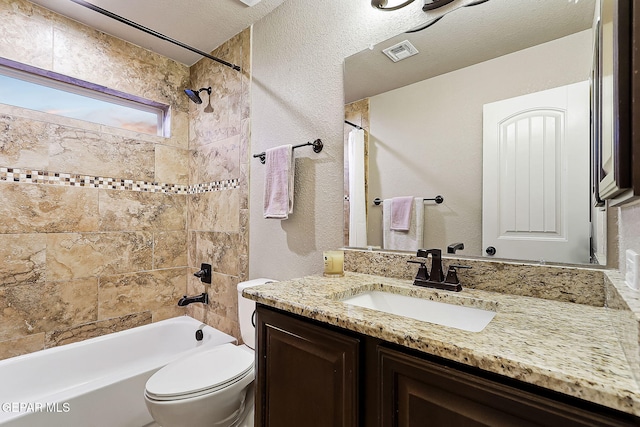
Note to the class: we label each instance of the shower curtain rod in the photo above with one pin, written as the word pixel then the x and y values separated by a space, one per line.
pixel 152 32
pixel 353 124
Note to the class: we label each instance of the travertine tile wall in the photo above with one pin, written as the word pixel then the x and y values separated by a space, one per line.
pixel 80 256
pixel 218 144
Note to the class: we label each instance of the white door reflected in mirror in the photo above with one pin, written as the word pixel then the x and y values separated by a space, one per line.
pixel 536 175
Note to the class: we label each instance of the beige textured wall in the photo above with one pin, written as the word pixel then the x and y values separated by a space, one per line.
pixel 81 261
pixel 297 96
pixel 218 220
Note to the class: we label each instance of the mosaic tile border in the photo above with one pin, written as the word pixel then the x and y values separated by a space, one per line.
pixel 29 176
pixel 213 186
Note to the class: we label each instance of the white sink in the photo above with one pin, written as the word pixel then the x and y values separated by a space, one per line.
pixel 456 316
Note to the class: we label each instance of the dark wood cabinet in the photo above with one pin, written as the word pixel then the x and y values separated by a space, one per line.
pixel 312 374
pixel 307 375
pixel 420 393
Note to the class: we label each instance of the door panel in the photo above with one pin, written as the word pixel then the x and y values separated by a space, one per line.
pixel 536 175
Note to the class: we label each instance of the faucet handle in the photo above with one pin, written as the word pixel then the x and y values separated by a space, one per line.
pixel 422 274
pixel 452 274
pixel 204 274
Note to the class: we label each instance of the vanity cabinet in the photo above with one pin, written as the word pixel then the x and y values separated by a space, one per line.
pixel 307 374
pixel 416 392
pixel 311 374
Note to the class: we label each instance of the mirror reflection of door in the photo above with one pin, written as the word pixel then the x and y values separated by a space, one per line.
pixel 536 169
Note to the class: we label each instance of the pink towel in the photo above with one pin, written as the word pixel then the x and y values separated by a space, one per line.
pixel 278 182
pixel 401 213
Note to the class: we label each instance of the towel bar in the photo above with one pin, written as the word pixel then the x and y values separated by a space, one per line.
pixel 317 147
pixel 438 199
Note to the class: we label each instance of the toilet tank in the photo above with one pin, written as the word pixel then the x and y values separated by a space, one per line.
pixel 246 307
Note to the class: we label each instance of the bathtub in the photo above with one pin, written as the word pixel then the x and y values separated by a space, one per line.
pixel 97 382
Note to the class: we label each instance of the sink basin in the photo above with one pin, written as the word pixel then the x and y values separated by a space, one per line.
pixel 456 316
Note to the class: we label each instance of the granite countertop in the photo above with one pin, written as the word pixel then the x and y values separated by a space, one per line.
pixel 566 347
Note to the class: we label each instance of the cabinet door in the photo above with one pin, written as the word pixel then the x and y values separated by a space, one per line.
pixel 307 375
pixel 419 393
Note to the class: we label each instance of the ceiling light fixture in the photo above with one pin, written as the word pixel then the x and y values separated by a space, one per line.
pixel 428 4
pixel 382 5
pixel 434 4
pixel 434 20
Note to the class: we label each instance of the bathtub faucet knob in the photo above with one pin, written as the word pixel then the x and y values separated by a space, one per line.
pixel 204 274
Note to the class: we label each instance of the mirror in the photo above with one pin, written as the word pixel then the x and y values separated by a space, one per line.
pixel 424 131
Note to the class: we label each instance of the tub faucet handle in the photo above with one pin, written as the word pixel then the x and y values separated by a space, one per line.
pixel 204 274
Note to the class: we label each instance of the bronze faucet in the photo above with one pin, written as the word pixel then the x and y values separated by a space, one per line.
pixel 436 278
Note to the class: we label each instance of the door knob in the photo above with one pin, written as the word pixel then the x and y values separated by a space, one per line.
pixel 491 251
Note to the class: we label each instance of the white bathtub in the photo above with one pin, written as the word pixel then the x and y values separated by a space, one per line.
pixel 97 382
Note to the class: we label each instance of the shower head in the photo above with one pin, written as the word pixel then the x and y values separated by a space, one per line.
pixel 194 95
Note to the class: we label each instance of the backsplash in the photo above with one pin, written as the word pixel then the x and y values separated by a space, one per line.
pixel 567 284
pixel 625 316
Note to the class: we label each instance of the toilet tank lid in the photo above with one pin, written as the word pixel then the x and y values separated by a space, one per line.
pixel 254 282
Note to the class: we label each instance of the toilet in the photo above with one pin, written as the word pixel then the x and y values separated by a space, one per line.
pixel 213 387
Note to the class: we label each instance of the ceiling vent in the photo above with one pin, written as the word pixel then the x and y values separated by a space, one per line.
pixel 400 51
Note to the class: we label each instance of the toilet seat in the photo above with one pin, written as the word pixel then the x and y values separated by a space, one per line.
pixel 202 373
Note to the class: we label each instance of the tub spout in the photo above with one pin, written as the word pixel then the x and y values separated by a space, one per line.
pixel 185 300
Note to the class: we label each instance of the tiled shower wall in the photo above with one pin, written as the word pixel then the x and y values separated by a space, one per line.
pixel 94 220
pixel 218 221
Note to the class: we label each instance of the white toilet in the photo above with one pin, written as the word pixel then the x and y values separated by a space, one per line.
pixel 213 387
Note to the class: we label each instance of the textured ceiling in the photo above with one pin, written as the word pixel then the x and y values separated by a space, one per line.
pixel 202 24
pixel 466 36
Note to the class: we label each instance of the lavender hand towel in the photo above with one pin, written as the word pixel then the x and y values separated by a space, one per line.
pixel 401 213
pixel 411 240
pixel 278 182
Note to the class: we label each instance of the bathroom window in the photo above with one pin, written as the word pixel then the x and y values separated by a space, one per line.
pixel 36 89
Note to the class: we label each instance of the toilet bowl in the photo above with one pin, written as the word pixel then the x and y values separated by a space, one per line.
pixel 213 387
